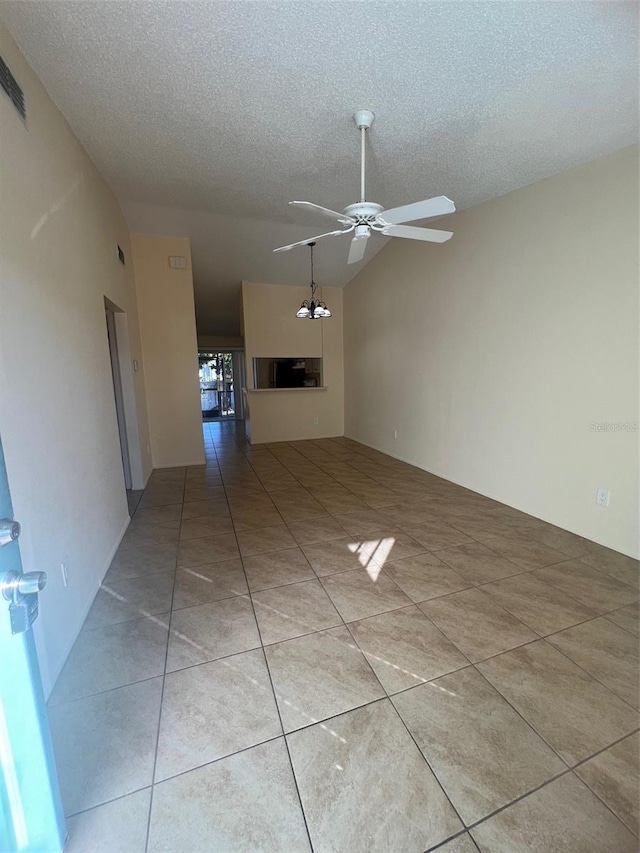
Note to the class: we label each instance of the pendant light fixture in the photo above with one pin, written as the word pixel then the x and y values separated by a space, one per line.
pixel 313 309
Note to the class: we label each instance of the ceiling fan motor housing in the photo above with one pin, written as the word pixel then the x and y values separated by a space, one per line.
pixel 363 211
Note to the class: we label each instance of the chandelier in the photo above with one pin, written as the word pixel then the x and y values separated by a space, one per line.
pixel 313 309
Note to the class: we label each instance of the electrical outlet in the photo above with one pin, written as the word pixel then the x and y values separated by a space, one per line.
pixel 65 576
pixel 603 496
pixel 315 420
pixel 395 433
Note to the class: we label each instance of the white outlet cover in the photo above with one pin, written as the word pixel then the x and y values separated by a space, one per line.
pixel 603 497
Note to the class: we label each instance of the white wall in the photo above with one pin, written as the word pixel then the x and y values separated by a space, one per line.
pixel 272 330
pixel 169 350
pixel 493 354
pixel 60 227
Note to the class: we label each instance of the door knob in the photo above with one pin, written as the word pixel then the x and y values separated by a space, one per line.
pixel 14 584
pixel 9 530
pixel 31 582
pixel 21 590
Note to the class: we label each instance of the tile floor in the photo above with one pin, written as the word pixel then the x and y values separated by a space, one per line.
pixel 313 646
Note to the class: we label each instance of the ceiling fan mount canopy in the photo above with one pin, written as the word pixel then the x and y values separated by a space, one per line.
pixel 364 216
pixel 363 118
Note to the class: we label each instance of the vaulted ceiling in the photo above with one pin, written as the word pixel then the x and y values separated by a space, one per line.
pixel 206 118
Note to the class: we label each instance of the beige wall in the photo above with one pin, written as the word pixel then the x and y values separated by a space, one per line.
pixel 169 349
pixel 60 227
pixel 220 342
pixel 494 353
pixel 271 329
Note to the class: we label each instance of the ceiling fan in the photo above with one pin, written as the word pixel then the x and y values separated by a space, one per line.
pixel 363 217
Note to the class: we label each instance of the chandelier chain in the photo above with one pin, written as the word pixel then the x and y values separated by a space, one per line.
pixel 313 283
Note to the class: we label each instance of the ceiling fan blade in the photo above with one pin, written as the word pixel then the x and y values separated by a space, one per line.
pixel 312 240
pixel 429 235
pixel 325 211
pixel 357 249
pixel 437 206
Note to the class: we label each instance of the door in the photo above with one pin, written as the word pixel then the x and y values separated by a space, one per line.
pixel 117 391
pixel 217 390
pixel 31 817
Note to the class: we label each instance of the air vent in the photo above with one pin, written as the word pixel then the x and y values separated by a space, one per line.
pixel 10 86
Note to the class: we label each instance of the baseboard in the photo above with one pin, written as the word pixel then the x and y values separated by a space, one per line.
pixel 306 438
pixel 484 494
pixel 85 612
pixel 112 553
pixel 192 464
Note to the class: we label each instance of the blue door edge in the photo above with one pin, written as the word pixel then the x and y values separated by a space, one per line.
pixel 31 813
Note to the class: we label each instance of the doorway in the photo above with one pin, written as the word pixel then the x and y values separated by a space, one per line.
pixel 117 393
pixel 218 393
pixel 122 372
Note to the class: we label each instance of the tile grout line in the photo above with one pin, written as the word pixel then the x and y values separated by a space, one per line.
pixel 569 766
pixel 519 713
pixel 519 619
pixel 428 763
pixel 609 613
pixel 273 691
pixel 591 675
pixel 595 793
pixel 442 844
pixel 164 677
pixel 569 770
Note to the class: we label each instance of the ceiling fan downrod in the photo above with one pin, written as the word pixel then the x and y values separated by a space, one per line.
pixel 364 120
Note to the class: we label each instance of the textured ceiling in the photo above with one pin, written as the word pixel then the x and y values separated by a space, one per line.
pixel 207 117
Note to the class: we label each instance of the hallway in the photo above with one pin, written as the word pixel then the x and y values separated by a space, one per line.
pixel 313 646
